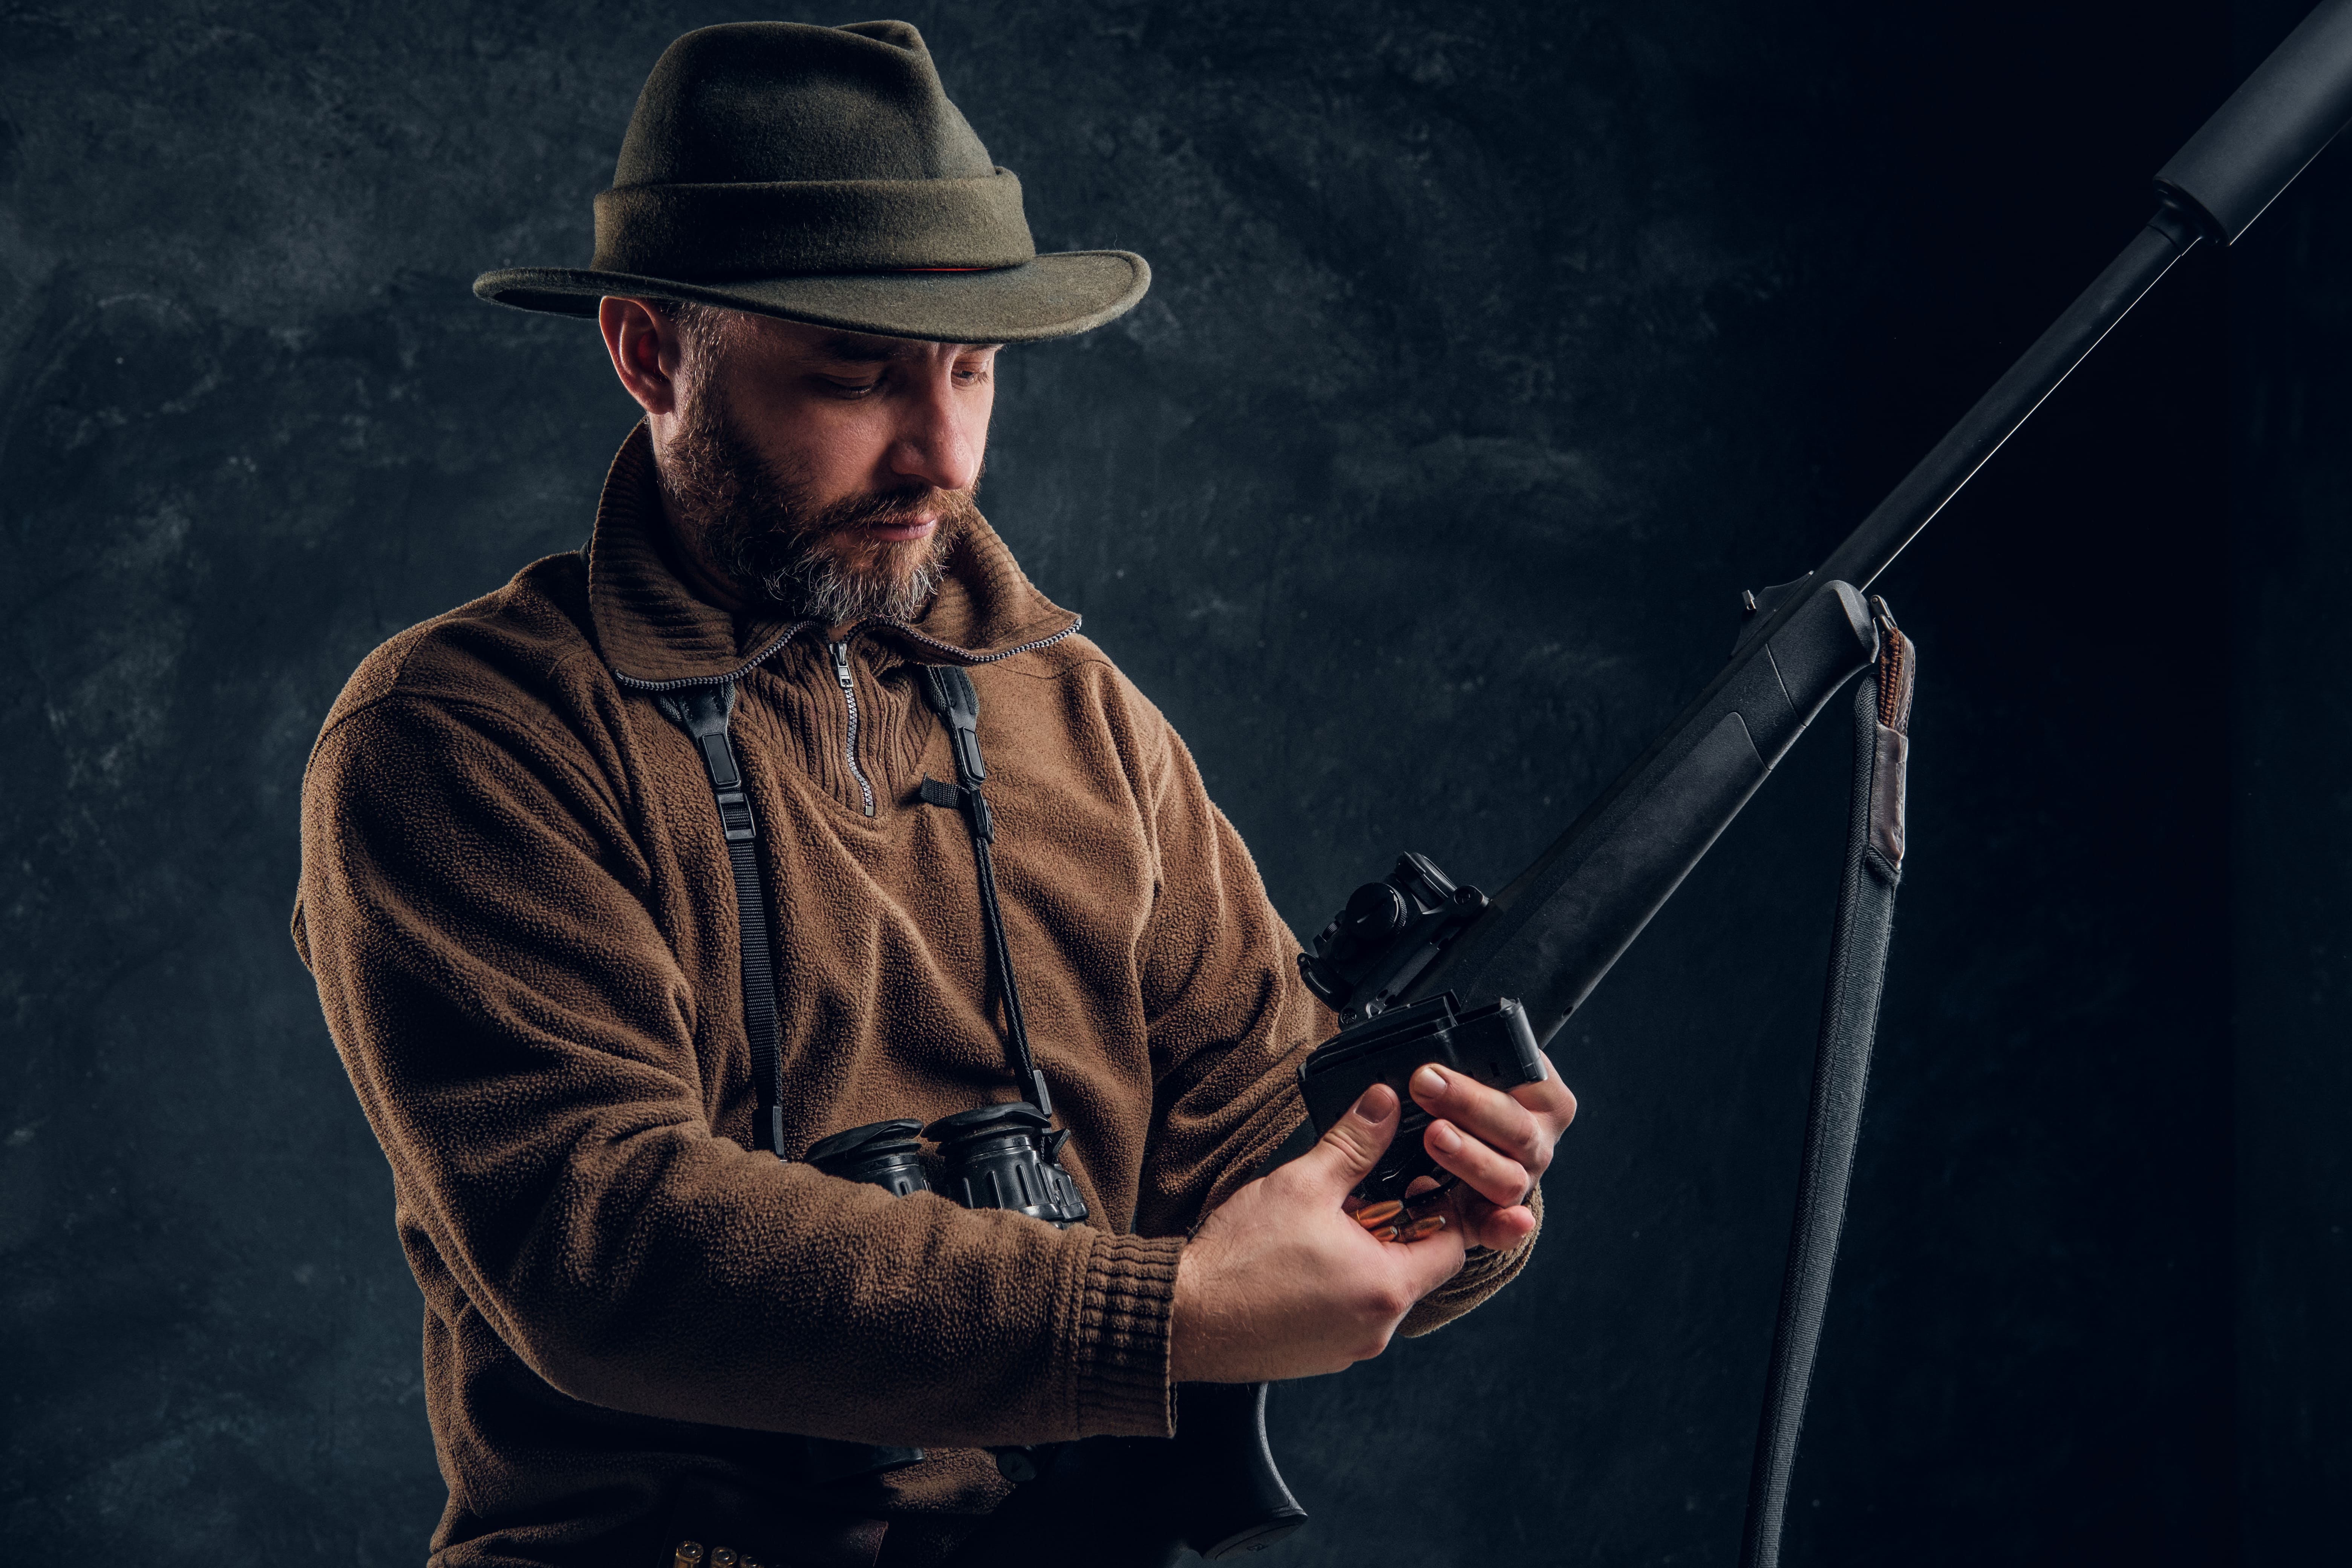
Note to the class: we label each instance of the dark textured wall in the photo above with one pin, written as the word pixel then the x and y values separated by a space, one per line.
pixel 2291 311
pixel 1493 349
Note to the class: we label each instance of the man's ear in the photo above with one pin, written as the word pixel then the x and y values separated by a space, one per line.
pixel 645 350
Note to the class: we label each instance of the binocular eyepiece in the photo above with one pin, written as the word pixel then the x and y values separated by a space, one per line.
pixel 886 1154
pixel 991 1157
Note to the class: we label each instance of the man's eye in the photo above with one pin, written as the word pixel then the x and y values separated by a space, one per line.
pixel 848 388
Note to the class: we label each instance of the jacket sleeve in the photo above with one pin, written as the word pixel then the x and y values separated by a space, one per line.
pixel 1231 1020
pixel 523 1042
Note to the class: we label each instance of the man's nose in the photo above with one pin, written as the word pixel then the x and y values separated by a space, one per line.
pixel 939 441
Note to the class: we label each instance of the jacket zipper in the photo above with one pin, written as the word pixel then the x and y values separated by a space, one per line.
pixel 730 679
pixel 903 629
pixel 849 700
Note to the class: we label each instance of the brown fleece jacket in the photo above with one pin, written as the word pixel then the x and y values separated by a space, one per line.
pixel 516 903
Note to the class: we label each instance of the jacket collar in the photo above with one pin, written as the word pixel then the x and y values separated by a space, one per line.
pixel 653 631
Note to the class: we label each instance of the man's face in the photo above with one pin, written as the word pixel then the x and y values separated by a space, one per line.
pixel 826 470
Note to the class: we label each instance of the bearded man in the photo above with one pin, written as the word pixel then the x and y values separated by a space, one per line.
pixel 586 1009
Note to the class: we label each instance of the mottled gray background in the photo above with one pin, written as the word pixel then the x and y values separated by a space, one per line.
pixel 1493 349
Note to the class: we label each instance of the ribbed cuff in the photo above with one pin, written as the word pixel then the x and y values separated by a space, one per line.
pixel 1484 1272
pixel 1124 1313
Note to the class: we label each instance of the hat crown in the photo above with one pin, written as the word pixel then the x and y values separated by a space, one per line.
pixel 820 175
pixel 782 103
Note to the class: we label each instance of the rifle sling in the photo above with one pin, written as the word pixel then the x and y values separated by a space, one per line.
pixel 1865 921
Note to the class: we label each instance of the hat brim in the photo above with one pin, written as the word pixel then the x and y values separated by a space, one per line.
pixel 1052 296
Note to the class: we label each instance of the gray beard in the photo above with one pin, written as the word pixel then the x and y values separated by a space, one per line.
pixel 771 539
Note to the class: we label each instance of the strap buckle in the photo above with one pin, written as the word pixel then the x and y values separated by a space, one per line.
pixel 735 819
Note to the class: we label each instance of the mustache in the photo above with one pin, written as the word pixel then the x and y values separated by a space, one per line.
pixel 890 509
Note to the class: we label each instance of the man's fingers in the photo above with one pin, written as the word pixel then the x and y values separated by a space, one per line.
pixel 1347 1153
pixel 1521 1124
pixel 1552 1099
pixel 1486 1114
pixel 1484 1223
pixel 1496 1177
pixel 1503 1228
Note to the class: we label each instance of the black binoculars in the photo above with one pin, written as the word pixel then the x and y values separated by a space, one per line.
pixel 1136 1502
pixel 991 1157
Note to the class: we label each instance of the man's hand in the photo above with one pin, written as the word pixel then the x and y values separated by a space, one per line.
pixel 1498 1143
pixel 1281 1282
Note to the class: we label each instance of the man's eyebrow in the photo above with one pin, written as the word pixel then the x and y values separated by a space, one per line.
pixel 860 350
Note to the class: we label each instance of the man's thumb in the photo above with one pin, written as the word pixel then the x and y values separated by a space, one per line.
pixel 1346 1153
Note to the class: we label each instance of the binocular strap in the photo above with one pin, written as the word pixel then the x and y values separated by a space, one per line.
pixel 703 711
pixel 949 692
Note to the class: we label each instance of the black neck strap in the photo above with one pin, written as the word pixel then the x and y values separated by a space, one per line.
pixel 702 711
pixel 949 692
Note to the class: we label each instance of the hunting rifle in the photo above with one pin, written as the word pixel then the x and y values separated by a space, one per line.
pixel 1553 932
pixel 1549 936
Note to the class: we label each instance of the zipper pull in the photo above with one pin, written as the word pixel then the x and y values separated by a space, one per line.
pixel 841 665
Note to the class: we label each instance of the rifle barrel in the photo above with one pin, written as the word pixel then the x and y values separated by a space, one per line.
pixel 1870 549
pixel 2245 153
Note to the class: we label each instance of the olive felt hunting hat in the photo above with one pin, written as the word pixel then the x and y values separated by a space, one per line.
pixel 821 174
